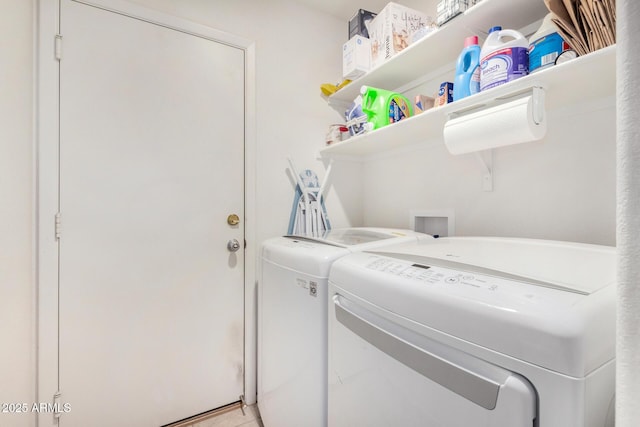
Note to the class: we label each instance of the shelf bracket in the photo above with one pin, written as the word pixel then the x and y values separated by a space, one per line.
pixel 486 160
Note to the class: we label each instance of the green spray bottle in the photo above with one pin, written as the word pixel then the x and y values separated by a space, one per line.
pixel 384 107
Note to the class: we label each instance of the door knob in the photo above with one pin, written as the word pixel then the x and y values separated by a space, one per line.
pixel 233 219
pixel 233 245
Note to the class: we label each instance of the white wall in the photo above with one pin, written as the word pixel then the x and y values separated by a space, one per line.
pixel 561 188
pixel 17 297
pixel 628 227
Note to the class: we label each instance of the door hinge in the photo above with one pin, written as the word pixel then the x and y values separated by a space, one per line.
pixel 57 407
pixel 57 49
pixel 57 226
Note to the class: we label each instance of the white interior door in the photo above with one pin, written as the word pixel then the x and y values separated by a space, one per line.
pixel 151 165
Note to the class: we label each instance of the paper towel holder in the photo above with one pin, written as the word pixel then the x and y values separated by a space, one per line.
pixel 538 104
pixel 536 92
pixel 496 122
pixel 530 98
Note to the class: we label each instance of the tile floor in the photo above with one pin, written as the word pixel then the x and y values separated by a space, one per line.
pixel 234 418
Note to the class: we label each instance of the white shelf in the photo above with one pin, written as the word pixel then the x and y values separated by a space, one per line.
pixel 442 47
pixel 584 79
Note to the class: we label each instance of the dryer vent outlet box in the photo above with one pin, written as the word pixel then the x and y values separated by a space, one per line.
pixel 440 223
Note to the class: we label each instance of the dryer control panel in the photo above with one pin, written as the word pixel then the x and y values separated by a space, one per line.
pixel 432 274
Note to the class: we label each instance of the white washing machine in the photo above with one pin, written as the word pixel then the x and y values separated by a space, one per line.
pixel 292 320
pixel 473 331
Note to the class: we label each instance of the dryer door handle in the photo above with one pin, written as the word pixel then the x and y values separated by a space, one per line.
pixel 470 377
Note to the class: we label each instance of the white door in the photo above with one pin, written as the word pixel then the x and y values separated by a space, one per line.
pixel 151 164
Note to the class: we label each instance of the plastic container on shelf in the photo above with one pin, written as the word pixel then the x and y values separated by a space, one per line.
pixel 545 45
pixel 504 57
pixel 384 107
pixel 356 119
pixel 467 80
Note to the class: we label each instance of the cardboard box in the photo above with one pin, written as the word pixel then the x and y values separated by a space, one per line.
pixel 356 57
pixel 423 103
pixel 392 30
pixel 358 24
pixel 445 94
pixel 448 9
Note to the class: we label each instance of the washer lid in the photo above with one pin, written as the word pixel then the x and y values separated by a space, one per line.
pixel 314 256
pixel 547 303
pixel 361 238
pixel 302 255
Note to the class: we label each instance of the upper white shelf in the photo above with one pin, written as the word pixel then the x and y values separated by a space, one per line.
pixel 581 80
pixel 443 46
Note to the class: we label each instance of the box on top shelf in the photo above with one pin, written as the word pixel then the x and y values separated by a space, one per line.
pixel 356 57
pixel 448 9
pixel 358 24
pixel 393 29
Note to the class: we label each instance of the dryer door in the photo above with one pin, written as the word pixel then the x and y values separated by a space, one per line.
pixel 383 374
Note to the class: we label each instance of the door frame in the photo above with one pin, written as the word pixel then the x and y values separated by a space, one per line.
pixel 47 186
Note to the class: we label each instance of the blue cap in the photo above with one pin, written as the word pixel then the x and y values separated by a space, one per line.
pixel 496 28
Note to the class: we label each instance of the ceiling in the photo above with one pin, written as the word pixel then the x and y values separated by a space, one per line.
pixel 345 9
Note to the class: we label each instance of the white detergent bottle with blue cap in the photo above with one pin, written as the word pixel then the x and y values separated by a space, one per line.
pixel 467 80
pixel 504 57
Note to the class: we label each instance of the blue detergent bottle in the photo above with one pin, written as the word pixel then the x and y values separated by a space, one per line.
pixel 467 80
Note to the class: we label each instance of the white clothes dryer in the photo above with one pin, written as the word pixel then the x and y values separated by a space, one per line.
pixel 292 320
pixel 473 331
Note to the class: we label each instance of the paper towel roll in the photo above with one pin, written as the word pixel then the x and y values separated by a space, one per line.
pixel 506 124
